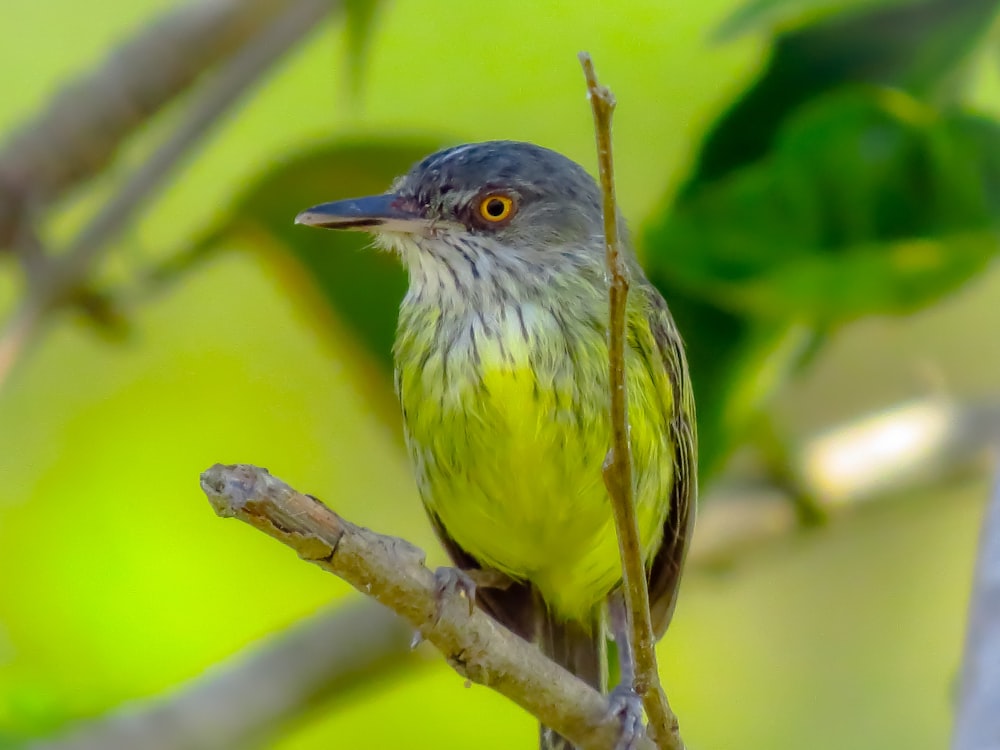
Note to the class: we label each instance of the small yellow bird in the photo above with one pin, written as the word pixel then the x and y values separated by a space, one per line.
pixel 502 374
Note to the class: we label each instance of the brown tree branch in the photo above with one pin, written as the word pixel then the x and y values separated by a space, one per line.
pixel 618 466
pixel 913 445
pixel 392 571
pixel 977 722
pixel 339 651
pixel 80 130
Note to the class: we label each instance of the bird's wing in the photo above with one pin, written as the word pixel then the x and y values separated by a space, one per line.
pixel 513 606
pixel 665 570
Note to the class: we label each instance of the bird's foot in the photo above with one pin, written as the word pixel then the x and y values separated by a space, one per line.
pixel 626 706
pixel 449 582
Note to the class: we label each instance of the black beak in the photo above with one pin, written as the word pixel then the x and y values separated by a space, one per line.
pixel 375 212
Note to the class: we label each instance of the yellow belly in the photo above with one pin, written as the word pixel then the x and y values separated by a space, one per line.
pixel 508 454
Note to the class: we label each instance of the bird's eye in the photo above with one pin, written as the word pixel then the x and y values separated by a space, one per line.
pixel 496 208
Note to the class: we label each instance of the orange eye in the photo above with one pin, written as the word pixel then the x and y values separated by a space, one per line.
pixel 495 208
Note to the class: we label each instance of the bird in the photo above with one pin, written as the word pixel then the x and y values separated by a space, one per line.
pixel 502 376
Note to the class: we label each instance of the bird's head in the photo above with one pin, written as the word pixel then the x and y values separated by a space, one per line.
pixel 481 209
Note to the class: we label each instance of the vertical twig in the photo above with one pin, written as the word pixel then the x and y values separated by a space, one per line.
pixel 977 722
pixel 618 467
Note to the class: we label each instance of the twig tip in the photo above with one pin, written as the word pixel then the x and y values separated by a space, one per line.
pixel 228 487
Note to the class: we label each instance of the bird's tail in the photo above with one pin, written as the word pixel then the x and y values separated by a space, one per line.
pixel 578 647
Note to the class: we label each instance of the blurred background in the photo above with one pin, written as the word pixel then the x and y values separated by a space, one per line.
pixel 814 185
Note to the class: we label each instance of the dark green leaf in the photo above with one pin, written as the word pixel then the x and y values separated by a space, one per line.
pixel 918 46
pixel 737 365
pixel 360 18
pixel 339 273
pixel 869 203
pixel 790 14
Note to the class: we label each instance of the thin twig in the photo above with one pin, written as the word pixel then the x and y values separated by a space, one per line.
pixel 618 467
pixel 977 723
pixel 392 571
pixel 65 275
pixel 246 701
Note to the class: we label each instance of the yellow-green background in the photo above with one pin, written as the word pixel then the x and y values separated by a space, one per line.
pixel 117 581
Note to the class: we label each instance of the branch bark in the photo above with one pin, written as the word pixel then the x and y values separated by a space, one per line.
pixel 911 445
pixel 392 571
pixel 977 724
pixel 618 466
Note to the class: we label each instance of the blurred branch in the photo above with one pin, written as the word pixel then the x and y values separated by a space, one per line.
pixel 915 444
pixel 80 130
pixel 977 725
pixel 244 702
pixel 65 275
pixel 392 571
pixel 266 687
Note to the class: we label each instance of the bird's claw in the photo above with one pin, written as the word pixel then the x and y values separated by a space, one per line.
pixel 626 706
pixel 450 582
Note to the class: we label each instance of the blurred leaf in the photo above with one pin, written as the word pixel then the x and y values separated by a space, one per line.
pixel 869 203
pixel 339 273
pixel 896 277
pixel 30 709
pixel 737 364
pixel 918 46
pixel 812 201
pixel 789 14
pixel 360 19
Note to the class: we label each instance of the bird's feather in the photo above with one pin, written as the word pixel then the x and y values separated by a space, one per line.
pixel 665 570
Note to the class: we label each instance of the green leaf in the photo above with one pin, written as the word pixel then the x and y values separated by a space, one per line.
pixel 339 276
pixel 895 277
pixel 869 203
pixel 917 46
pixel 361 16
pixel 737 365
pixel 790 14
